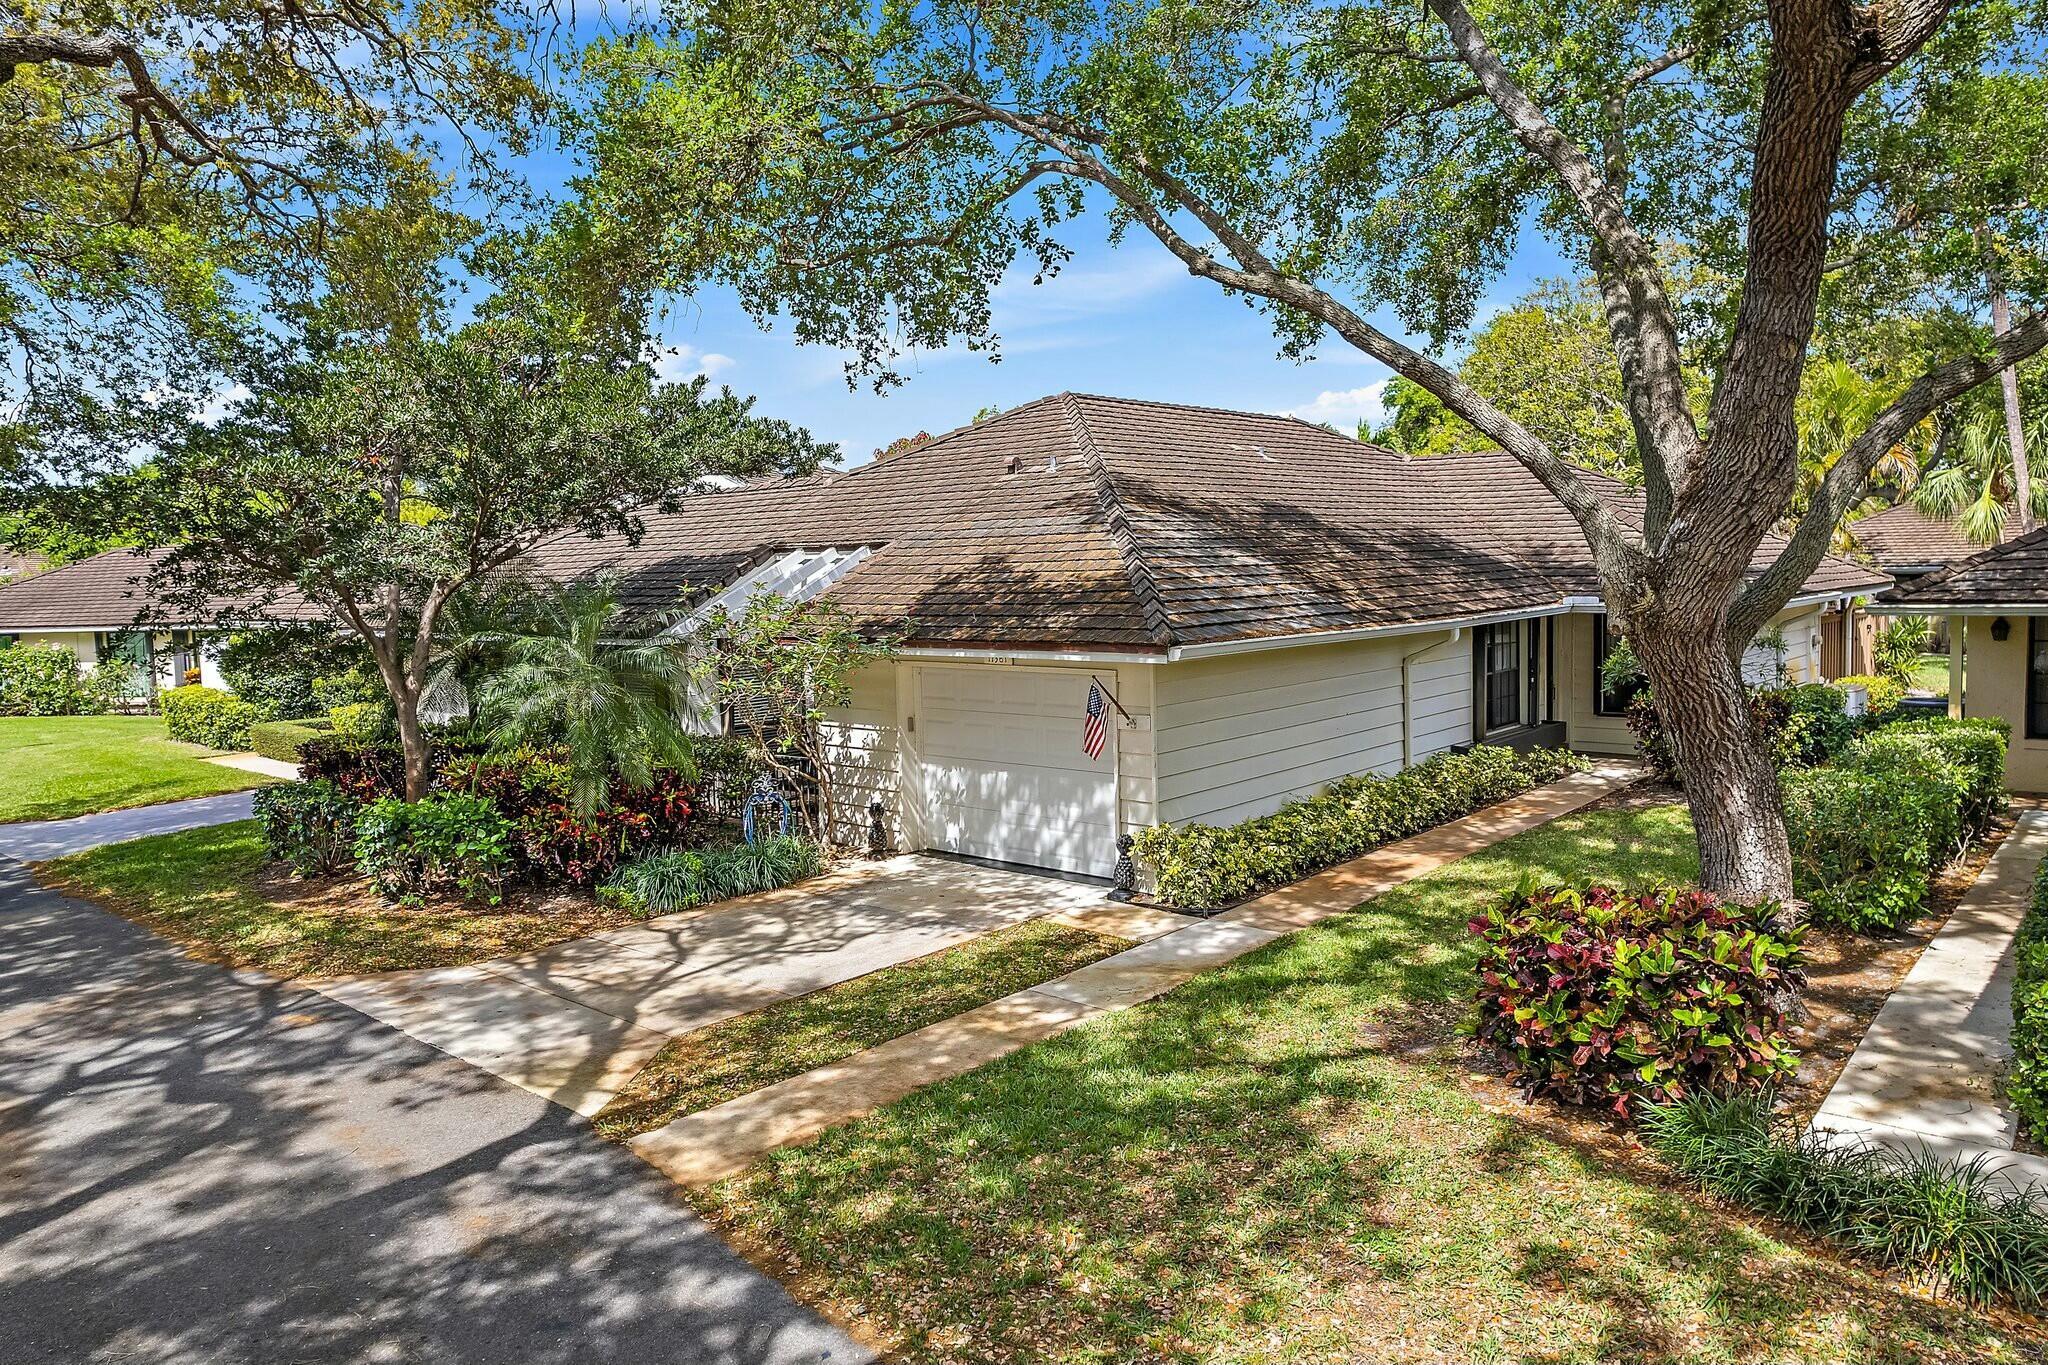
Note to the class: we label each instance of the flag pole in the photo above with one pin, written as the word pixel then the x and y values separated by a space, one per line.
pixel 1112 697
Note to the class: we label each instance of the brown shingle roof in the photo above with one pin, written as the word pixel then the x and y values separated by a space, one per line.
pixel 1086 522
pixel 2004 577
pixel 1904 539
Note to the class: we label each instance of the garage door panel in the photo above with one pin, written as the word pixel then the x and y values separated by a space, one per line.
pixel 1005 775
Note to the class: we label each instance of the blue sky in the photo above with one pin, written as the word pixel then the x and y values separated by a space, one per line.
pixel 1128 321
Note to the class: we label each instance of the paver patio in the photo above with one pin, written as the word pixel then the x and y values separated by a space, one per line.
pixel 1927 1073
pixel 573 1022
pixel 723 1140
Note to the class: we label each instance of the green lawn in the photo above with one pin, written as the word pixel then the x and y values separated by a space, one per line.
pixel 213 891
pixel 1294 1159
pixel 69 765
pixel 1930 674
pixel 743 1054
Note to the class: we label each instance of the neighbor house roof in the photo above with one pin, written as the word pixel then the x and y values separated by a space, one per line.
pixel 1904 539
pixel 109 592
pixel 1082 522
pixel 2007 577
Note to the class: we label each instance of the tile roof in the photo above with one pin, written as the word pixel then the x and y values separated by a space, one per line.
pixel 1077 521
pixel 106 592
pixel 2003 577
pixel 1904 539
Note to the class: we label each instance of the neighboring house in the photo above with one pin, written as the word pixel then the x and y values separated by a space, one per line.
pixel 91 608
pixel 14 566
pixel 1908 544
pixel 1268 606
pixel 1995 604
pixel 1273 605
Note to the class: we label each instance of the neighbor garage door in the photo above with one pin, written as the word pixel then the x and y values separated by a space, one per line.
pixel 1004 773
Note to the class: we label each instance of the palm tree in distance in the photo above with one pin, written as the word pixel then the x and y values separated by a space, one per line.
pixel 1972 482
pixel 587 677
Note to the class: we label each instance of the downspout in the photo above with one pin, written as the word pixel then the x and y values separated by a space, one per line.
pixel 1407 692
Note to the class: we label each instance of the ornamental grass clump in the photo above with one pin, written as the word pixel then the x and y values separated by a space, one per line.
pixel 1597 996
pixel 1203 867
pixel 1966 1230
pixel 683 879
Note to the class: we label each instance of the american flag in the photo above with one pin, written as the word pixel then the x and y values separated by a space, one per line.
pixel 1093 729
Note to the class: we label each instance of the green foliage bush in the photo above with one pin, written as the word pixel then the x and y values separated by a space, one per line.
pixel 274 668
pixel 283 739
pixel 1885 694
pixel 209 716
pixel 47 680
pixel 1807 723
pixel 1598 996
pixel 1896 648
pixel 309 825
pixel 1202 866
pixel 1957 1223
pixel 1869 833
pixel 2027 1081
pixel 366 772
pixel 726 768
pixel 364 722
pixel 679 879
pixel 414 851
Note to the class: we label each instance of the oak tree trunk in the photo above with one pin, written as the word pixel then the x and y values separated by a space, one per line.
pixel 419 773
pixel 1730 782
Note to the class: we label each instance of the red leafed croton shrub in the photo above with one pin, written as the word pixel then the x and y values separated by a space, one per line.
pixel 1597 996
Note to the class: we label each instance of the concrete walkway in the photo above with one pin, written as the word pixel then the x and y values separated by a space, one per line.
pixel 575 1021
pixel 257 763
pixel 197 1166
pixel 1927 1074
pixel 715 1143
pixel 33 839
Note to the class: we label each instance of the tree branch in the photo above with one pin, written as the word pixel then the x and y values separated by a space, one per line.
pixel 1843 485
pixel 1645 331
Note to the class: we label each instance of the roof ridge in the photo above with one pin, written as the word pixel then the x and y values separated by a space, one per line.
pixel 1116 518
pixel 1948 573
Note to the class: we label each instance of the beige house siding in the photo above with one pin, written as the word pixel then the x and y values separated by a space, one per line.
pixel 862 745
pixel 1239 735
pixel 1995 684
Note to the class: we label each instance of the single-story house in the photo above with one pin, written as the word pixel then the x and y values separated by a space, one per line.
pixel 1265 604
pixel 1995 604
pixel 92 607
pixel 1908 544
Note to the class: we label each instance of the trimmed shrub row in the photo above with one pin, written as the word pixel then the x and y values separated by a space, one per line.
pixel 1957 1223
pixel 209 716
pixel 2027 1082
pixel 1597 996
pixel 1201 867
pixel 1869 833
pixel 451 844
pixel 682 879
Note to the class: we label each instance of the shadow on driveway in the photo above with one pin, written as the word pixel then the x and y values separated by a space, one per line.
pixel 201 1166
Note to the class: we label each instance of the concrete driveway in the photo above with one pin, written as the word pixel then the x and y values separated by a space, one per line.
pixel 197 1167
pixel 573 1022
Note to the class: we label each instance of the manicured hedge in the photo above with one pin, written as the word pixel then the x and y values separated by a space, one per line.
pixel 1959 1227
pixel 1597 996
pixel 283 739
pixel 681 879
pixel 1202 866
pixel 209 716
pixel 1869 833
pixel 2027 1082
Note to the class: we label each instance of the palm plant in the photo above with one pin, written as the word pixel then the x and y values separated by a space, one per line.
pixel 1835 404
pixel 1972 483
pixel 587 678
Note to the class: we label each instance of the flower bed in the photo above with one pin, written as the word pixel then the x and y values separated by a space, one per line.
pixel 1203 867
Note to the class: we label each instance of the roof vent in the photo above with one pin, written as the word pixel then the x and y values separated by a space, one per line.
pixel 1016 462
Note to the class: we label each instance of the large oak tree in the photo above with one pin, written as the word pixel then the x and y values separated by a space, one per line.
pixel 1361 171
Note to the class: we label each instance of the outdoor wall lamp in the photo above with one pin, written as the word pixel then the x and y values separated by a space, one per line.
pixel 2000 628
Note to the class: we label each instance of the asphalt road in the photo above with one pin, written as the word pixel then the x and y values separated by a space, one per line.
pixel 201 1167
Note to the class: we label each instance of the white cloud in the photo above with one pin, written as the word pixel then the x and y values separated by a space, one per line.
pixel 1083 291
pixel 1345 408
pixel 207 408
pixel 673 364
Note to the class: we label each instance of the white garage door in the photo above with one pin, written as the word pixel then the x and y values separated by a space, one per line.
pixel 1004 773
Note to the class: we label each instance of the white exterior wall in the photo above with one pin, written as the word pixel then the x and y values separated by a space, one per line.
pixel 1238 735
pixel 863 748
pixel 79 642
